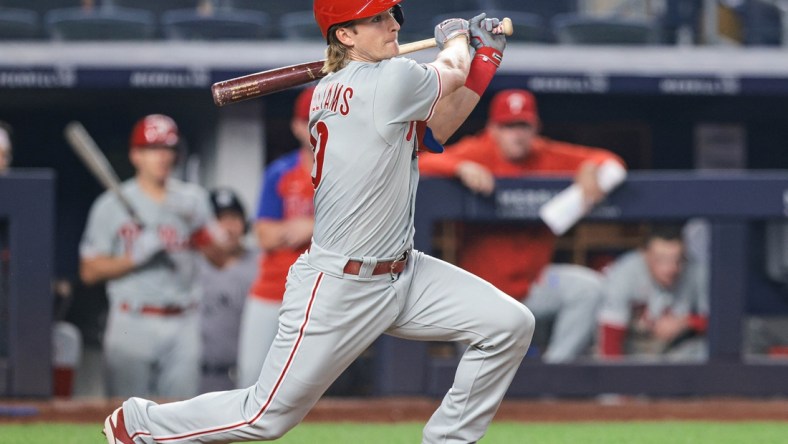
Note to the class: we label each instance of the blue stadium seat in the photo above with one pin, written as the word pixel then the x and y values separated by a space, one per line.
pixel 762 25
pixel 157 7
pixel 275 9
pixel 528 27
pixel 581 29
pixel 546 9
pixel 40 6
pixel 300 26
pixel 100 24
pixel 187 24
pixel 419 17
pixel 19 24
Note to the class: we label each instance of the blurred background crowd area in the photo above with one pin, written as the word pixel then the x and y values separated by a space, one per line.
pixel 708 22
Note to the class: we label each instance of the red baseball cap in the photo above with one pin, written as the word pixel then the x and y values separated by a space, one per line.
pixel 154 130
pixel 512 106
pixel 302 103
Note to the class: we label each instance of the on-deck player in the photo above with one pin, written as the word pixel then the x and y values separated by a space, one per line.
pixel 152 339
pixel 361 277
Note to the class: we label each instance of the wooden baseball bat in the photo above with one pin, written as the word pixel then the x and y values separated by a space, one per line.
pixel 274 80
pixel 90 154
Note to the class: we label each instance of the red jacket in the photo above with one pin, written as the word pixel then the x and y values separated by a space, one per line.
pixel 512 256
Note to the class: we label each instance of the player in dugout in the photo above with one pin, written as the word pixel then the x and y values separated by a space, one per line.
pixel 370 117
pixel 656 302
pixel 517 257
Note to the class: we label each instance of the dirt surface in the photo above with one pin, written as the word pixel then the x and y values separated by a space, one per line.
pixel 420 409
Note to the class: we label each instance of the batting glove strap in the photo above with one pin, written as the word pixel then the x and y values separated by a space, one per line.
pixel 483 67
pixel 449 29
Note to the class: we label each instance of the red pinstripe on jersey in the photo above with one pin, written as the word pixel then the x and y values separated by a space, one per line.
pixel 274 390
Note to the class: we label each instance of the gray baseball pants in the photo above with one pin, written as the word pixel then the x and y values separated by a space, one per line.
pixel 327 320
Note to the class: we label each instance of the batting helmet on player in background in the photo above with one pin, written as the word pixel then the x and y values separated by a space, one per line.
pixel 154 130
pixel 333 12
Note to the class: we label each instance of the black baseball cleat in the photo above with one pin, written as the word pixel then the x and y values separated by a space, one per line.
pixel 115 428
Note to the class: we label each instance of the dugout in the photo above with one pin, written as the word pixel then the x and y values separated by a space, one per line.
pixel 660 108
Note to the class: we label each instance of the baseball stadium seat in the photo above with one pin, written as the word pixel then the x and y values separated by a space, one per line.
pixel 19 24
pixel 543 8
pixel 100 24
pixel 276 9
pixel 40 6
pixel 762 23
pixel 157 7
pixel 527 27
pixel 419 18
pixel 300 26
pixel 587 30
pixel 187 24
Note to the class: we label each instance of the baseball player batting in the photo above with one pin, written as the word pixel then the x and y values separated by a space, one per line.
pixel 361 277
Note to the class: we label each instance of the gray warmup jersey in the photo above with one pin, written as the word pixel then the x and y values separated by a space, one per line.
pixel 164 280
pixel 224 293
pixel 369 211
pixel 628 285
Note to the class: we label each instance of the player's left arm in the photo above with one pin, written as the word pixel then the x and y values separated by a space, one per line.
pixel 454 106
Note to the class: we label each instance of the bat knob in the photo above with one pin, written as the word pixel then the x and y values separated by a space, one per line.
pixel 508 26
pixel 217 91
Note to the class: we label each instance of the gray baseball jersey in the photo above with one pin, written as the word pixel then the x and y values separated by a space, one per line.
pixel 632 299
pixel 366 172
pixel 151 353
pixel 224 292
pixel 628 285
pixel 364 200
pixel 111 232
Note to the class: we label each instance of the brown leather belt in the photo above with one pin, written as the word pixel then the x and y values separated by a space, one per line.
pixel 166 310
pixel 388 267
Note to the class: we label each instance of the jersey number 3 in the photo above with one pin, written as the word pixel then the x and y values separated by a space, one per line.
pixel 319 148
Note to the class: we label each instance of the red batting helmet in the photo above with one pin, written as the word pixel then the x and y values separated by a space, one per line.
pixel 332 12
pixel 154 130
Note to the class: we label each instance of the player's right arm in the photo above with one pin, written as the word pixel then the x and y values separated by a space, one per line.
pixel 457 101
pixel 273 234
pixel 452 65
pixel 103 268
pixel 97 266
pixel 272 229
pixel 464 160
pixel 101 258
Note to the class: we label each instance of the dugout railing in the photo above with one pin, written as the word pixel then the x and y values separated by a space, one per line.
pixel 732 202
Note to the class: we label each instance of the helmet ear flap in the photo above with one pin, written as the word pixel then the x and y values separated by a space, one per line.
pixel 399 14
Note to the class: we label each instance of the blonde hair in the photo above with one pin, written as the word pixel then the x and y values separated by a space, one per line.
pixel 337 54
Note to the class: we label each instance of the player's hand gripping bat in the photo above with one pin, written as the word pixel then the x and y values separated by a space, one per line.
pixel 278 79
pixel 90 154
